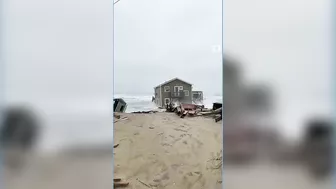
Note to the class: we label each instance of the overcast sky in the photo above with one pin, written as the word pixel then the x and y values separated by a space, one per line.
pixel 283 42
pixel 286 44
pixel 159 40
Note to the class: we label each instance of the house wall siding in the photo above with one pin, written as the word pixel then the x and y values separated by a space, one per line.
pixel 157 96
pixel 185 99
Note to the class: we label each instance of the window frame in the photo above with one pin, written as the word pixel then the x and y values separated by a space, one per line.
pixel 166 89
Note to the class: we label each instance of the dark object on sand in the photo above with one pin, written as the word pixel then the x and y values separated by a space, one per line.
pixel 145 112
pixel 117 183
pixel 119 105
pixel 216 106
pixel 218 118
pixel 193 110
pixel 318 147
pixel 116 145
pixel 116 116
pixel 200 107
pixel 184 114
pixel 170 107
pixel 18 134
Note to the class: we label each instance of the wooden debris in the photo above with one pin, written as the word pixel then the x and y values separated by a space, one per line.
pixel 218 118
pixel 178 110
pixel 193 110
pixel 117 183
pixel 121 184
pixel 184 114
pixel 145 112
pixel 143 183
pixel 117 180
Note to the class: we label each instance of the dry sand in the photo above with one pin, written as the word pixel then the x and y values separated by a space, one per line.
pixel 156 151
pixel 165 151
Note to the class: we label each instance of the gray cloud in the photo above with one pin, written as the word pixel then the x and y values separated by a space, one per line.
pixel 285 43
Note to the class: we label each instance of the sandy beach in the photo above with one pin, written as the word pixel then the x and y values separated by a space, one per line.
pixel 157 151
pixel 165 151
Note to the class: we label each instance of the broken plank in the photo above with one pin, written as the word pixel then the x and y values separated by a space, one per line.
pixel 120 184
pixel 184 114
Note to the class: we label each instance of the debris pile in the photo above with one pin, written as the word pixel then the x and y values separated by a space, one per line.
pixel 193 110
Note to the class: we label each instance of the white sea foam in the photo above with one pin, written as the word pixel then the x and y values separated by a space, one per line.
pixel 144 102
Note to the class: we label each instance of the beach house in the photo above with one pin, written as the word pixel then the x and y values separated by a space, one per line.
pixel 174 90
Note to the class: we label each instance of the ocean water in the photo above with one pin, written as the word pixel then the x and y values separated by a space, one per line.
pixel 144 102
pixel 83 122
pixel 90 122
pixel 288 116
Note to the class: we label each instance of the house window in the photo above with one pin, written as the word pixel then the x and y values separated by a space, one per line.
pixel 186 93
pixel 178 88
pixel 167 89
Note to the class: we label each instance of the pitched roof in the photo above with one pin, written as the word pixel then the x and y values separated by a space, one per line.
pixel 171 81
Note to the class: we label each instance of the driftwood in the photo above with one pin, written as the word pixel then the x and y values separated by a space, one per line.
pixel 117 183
pixel 218 111
pixel 143 183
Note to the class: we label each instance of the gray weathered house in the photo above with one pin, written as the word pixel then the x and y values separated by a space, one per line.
pixel 172 91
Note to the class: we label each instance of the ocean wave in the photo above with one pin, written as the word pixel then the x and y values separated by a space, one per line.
pixel 144 102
